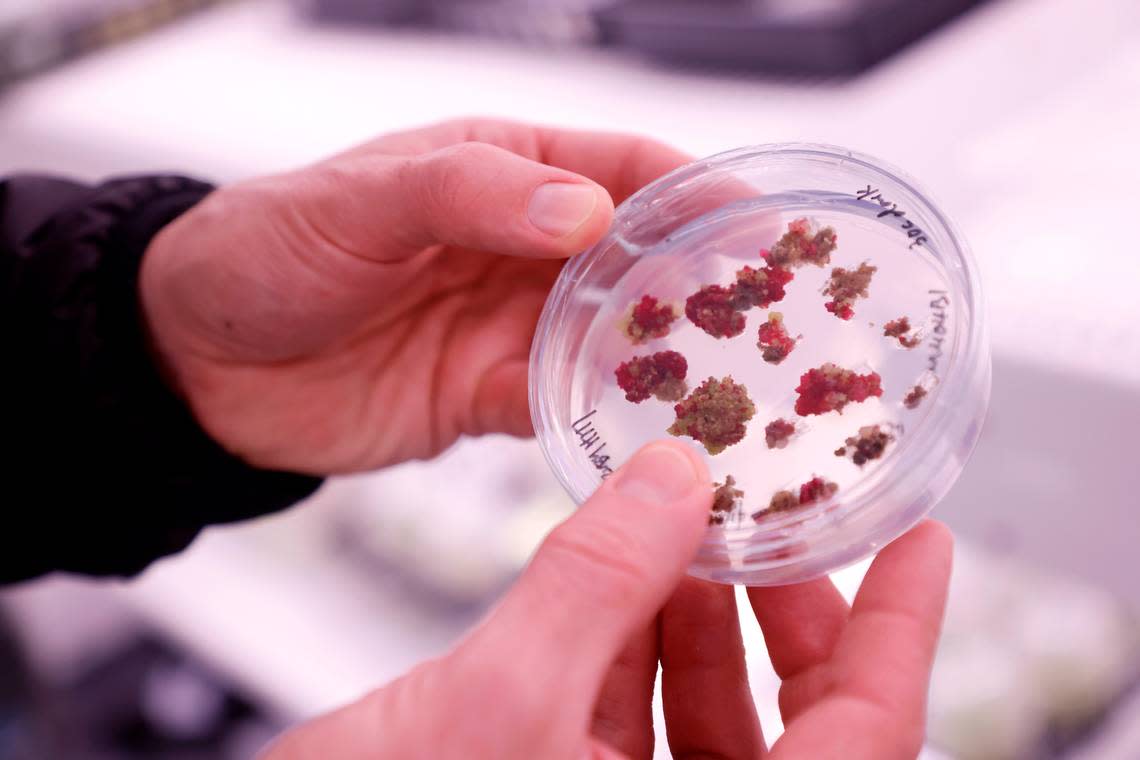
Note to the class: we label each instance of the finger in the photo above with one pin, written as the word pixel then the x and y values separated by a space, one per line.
pixel 621 163
pixel 886 651
pixel 599 750
pixel 471 195
pixel 524 683
pixel 801 623
pixel 880 671
pixel 596 580
pixel 603 574
pixel 484 364
pixel 708 704
pixel 624 164
pixel 801 626
pixel 623 714
pixel 501 400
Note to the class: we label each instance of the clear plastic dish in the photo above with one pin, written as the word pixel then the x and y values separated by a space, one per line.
pixel 810 209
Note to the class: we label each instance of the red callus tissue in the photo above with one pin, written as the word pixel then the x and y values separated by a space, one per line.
pixel 815 490
pixel 782 501
pixel 715 414
pixel 778 432
pixel 661 375
pixel 713 309
pixel 829 388
pixel 810 492
pixel 760 287
pixel 870 443
pixel 725 498
pixel 914 397
pixel 845 287
pixel 774 342
pixel 801 245
pixel 648 319
pixel 899 329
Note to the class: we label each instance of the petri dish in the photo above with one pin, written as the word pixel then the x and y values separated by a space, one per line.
pixel 840 424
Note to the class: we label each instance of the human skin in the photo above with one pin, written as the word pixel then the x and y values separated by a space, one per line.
pixel 375 306
pixel 564 666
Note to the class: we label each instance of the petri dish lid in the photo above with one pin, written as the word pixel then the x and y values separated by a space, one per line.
pixel 806 318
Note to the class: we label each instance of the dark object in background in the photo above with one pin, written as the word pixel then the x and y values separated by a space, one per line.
pixel 145 700
pixel 150 701
pixel 37 34
pixel 815 37
pixel 366 11
pixel 556 22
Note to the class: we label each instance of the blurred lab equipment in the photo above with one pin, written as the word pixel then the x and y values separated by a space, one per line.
pixel 812 37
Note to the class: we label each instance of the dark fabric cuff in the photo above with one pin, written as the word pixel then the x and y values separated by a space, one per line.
pixel 123 474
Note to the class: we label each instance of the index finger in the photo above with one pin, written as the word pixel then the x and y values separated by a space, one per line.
pixel 621 163
pixel 885 654
pixel 873 703
pixel 801 623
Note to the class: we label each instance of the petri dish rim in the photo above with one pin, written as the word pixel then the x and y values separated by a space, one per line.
pixel 862 519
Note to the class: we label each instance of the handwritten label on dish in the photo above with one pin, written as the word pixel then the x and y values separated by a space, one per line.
pixel 938 309
pixel 591 440
pixel 913 231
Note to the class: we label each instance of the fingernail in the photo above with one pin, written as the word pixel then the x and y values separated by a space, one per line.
pixel 559 208
pixel 658 474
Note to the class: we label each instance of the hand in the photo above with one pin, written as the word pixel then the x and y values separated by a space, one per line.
pixel 527 683
pixel 375 306
pixel 564 668
pixel 853 681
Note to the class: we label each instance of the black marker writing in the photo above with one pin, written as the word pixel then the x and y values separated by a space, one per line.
pixel 914 232
pixel 591 440
pixel 938 307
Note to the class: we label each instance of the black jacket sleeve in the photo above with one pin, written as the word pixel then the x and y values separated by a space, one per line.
pixel 107 469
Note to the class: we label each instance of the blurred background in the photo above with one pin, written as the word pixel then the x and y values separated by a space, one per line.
pixel 1020 116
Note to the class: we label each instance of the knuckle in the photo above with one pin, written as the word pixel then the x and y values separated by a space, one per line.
pixel 446 175
pixel 462 160
pixel 310 207
pixel 467 152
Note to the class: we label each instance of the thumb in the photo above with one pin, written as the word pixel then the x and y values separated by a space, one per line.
pixel 471 195
pixel 597 578
pixel 525 683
